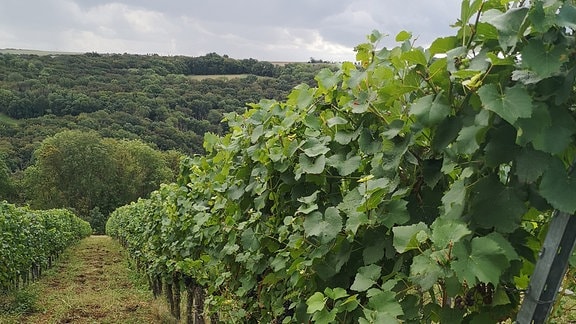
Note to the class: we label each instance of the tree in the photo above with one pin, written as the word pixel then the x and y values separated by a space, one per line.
pixel 93 175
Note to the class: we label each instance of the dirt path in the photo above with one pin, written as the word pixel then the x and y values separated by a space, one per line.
pixel 91 284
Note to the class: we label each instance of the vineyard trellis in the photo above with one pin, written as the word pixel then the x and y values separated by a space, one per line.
pixel 415 186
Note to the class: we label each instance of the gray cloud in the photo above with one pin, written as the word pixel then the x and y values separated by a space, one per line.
pixel 263 29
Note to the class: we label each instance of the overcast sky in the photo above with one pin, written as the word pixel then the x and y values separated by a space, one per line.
pixel 272 30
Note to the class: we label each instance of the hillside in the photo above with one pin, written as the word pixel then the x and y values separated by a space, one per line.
pixel 166 102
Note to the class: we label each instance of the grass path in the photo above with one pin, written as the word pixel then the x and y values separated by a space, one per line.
pixel 91 283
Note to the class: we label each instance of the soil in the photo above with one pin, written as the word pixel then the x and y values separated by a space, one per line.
pixel 91 283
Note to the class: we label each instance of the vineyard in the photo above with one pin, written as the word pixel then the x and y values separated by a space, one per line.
pixel 31 240
pixel 415 186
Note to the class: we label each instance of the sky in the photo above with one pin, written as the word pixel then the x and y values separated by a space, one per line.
pixel 266 30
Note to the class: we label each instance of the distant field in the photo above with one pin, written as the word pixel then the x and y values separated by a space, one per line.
pixel 34 52
pixel 221 76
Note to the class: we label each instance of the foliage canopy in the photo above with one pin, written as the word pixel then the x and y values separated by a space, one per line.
pixel 413 188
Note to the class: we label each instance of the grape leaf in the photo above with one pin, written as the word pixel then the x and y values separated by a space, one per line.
pixel 313 147
pixel 555 139
pixel 531 164
pixel 501 147
pixel 424 271
pixel 327 227
pixel 443 45
pixel 345 166
pixel 447 231
pixel 403 36
pixel 395 212
pixel 316 302
pixel 542 59
pixel 311 165
pixel 446 132
pixel 558 188
pixel 366 277
pixel 430 110
pixel 514 103
pixel 567 16
pixel 467 141
pixel 508 24
pixel 496 206
pixel 409 237
pixel 326 78
pixel 532 128
pixel 384 302
pixel 482 260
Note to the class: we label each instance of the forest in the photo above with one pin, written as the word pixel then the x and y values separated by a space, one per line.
pixel 165 104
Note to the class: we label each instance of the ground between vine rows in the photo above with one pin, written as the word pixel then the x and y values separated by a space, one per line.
pixel 92 283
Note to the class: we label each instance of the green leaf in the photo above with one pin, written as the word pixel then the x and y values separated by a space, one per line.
pixel 507 248
pixel 394 213
pixel 532 128
pixel 415 56
pixel 453 200
pixel 443 45
pixel 345 166
pixel 313 147
pixel 496 206
pixel 448 231
pixel 374 252
pixel 403 36
pixel 531 164
pixel 508 24
pixel 249 240
pixel 336 293
pixel 431 171
pixel 409 237
pixel 384 302
pixel 558 188
pixel 501 148
pixel 312 165
pixel 541 19
pixel 484 261
pixel 349 206
pixel 366 277
pixel 327 79
pixel 468 140
pixel 543 59
pixel 336 120
pixel 302 96
pixel 424 271
pixel 514 103
pixel 468 10
pixel 327 227
pixel 558 136
pixel 567 16
pixel 430 110
pixel 324 316
pixel 446 132
pixel 315 303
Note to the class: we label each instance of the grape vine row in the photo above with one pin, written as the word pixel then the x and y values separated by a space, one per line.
pixel 30 240
pixel 414 186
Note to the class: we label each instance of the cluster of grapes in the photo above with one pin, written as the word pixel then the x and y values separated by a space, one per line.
pixel 481 292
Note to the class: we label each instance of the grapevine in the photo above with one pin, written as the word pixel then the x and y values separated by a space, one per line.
pixel 405 188
pixel 31 240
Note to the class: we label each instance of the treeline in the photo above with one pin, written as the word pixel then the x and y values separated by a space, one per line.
pixel 159 100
